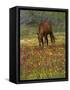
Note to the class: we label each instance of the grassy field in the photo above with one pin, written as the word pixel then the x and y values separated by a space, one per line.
pixel 37 63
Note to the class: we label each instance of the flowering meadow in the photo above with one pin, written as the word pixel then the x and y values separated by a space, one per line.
pixel 42 63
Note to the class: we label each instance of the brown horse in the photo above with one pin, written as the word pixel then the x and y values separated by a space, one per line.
pixel 45 28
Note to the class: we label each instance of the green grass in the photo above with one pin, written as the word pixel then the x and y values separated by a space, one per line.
pixel 28 31
pixel 37 63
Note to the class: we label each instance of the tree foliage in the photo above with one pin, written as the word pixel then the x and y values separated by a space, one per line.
pixel 28 17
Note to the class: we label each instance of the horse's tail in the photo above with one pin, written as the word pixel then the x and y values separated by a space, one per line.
pixel 52 37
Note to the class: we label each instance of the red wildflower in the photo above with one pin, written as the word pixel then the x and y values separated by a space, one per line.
pixel 20 50
pixel 21 62
pixel 24 52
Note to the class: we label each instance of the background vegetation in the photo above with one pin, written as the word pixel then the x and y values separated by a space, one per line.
pixel 29 21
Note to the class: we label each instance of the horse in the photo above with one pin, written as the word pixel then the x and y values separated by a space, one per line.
pixel 45 29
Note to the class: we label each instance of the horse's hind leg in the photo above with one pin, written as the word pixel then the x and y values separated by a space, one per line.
pixel 46 38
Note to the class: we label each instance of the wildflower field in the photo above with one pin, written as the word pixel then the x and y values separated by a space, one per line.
pixel 42 63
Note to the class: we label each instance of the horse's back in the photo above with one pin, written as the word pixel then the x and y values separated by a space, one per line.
pixel 45 27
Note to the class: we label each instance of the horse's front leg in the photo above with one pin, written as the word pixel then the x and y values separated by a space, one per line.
pixel 47 41
pixel 42 42
pixel 46 38
pixel 39 43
